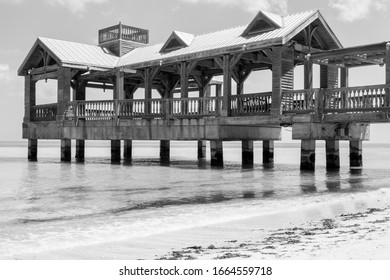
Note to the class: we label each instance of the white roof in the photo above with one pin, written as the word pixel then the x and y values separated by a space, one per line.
pixel 81 55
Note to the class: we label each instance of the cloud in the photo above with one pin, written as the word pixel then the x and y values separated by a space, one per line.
pixel 352 10
pixel 251 6
pixel 4 72
pixel 10 83
pixel 77 7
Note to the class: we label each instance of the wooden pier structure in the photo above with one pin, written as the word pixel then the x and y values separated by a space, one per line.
pixel 125 63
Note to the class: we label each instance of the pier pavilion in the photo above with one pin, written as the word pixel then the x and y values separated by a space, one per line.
pixel 166 73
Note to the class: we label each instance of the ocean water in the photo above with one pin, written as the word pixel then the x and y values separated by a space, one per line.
pixel 49 205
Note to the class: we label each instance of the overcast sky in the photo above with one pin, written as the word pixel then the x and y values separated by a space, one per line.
pixel 21 21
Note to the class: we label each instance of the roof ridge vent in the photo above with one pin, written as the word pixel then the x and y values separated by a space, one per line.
pixel 263 22
pixel 177 40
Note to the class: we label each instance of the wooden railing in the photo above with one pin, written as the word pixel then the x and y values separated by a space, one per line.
pixel 250 104
pixel 299 101
pixel 312 101
pixel 46 112
pixel 357 99
pixel 124 32
pixel 194 107
pixel 145 109
pixel 141 108
pixel 91 110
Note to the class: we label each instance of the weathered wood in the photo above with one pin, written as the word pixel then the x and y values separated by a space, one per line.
pixel 282 76
pixel 387 75
pixel 115 151
pixel 308 154
pixel 119 86
pixel 247 153
pixel 216 153
pixel 355 154
pixel 32 149
pixel 201 149
pixel 103 86
pixel 165 147
pixel 128 151
pixel 148 88
pixel 29 98
pixel 45 76
pixel 66 150
pixel 227 85
pixel 63 91
pixel 80 150
pixel 268 152
pixel 80 90
pixel 332 154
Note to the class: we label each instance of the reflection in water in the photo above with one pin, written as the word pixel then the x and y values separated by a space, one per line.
pixel 333 183
pixel 248 194
pixel 268 193
pixel 202 163
pixel 356 178
pixel 307 181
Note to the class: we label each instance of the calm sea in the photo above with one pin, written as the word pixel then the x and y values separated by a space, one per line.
pixel 48 205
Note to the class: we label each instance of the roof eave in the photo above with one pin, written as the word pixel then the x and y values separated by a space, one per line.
pixel 316 15
pixel 38 42
pixel 207 54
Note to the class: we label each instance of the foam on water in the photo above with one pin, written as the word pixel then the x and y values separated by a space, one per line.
pixel 50 205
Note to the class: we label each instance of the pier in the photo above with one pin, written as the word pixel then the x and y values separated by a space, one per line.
pixel 183 99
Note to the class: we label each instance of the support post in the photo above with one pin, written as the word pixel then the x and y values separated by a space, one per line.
pixel 128 150
pixel 268 151
pixel 247 153
pixel 282 76
pixel 63 91
pixel 184 76
pixel 227 85
pixel 332 154
pixel 387 63
pixel 119 86
pixel 201 149
pixel 80 150
pixel 66 150
pixel 218 93
pixel 29 98
pixel 165 150
pixel 344 82
pixel 216 152
pixel 355 153
pixel 308 154
pixel 148 91
pixel 115 151
pixel 32 149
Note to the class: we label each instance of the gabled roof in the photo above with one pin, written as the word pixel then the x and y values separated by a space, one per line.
pixel 182 46
pixel 263 22
pixel 69 54
pixel 209 44
pixel 177 40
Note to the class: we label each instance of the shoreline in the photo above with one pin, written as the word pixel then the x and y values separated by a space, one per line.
pixel 357 228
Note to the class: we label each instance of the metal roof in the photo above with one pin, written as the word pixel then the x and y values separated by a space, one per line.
pixel 209 42
pixel 78 55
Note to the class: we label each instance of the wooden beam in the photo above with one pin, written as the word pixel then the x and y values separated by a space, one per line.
pixel 100 86
pixel 43 70
pixel 227 85
pixel 219 61
pixel 45 76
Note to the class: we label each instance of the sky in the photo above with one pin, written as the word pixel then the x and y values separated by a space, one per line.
pixel 354 22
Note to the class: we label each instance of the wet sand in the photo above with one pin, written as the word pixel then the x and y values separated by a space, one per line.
pixel 358 228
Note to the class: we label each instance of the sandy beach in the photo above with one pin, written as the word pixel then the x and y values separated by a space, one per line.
pixel 358 228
